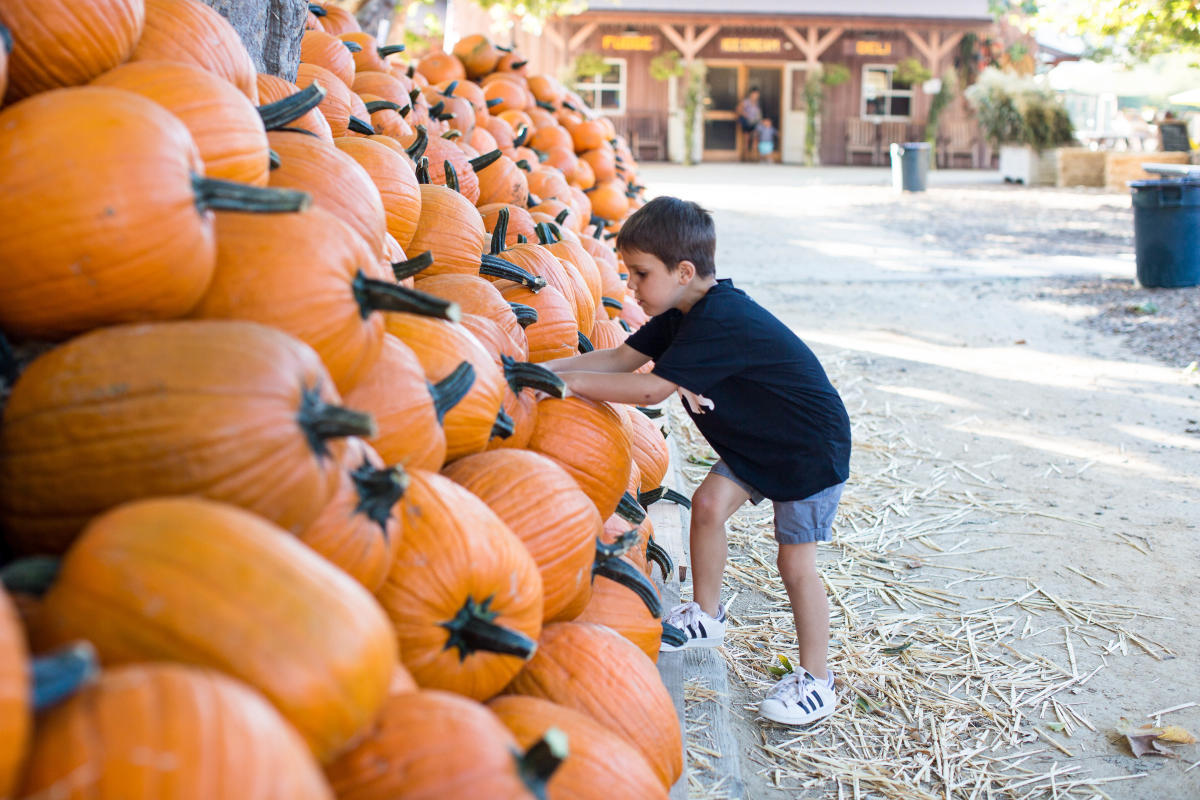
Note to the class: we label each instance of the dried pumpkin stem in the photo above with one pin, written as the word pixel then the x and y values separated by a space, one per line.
pixel 495 101
pixel 519 64
pixel 218 195
pixel 390 50
pixel 524 375
pixel 437 108
pixel 658 554
pixel 286 129
pixel 451 176
pixel 485 160
pixel 545 105
pixel 625 325
pixel 450 390
pixel 449 90
pixel 522 135
pixel 417 149
pixel 359 126
pixel 499 232
pixel 273 159
pixel 585 344
pixel 538 764
pixel 376 295
pixel 413 266
pixel 353 47
pixel 647 499
pixel 623 544
pixel 423 176
pixel 59 675
pixel 32 575
pixel 378 491
pixel 293 107
pixel 561 217
pixel 523 164
pixel 317 9
pixel 472 630
pixel 452 134
pixel 624 573
pixel 504 426
pixel 322 421
pixel 381 105
pixel 495 267
pixel 652 413
pixel 526 315
pixel 547 233
pixel 630 510
pixel 609 302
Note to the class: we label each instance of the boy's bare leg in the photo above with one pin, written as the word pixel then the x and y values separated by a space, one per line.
pixel 713 502
pixel 810 606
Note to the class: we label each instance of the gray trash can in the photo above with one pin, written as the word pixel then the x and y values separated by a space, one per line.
pixel 1166 232
pixel 910 165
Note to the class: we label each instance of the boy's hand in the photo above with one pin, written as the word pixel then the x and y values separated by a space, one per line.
pixel 696 402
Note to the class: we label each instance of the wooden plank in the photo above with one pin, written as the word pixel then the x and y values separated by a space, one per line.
pixel 580 36
pixel 705 665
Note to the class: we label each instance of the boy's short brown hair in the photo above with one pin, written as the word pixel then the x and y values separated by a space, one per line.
pixel 672 230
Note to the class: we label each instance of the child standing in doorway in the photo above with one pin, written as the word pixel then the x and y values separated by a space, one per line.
pixel 763 402
pixel 766 134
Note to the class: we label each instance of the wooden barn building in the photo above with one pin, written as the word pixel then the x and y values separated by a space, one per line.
pixel 771 45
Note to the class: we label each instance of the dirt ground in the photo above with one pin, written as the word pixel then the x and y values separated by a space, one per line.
pixel 1026 419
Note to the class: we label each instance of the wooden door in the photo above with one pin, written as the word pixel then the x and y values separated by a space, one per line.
pixel 794 124
pixel 724 92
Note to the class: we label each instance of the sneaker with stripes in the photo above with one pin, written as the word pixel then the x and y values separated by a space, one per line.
pixel 700 629
pixel 799 699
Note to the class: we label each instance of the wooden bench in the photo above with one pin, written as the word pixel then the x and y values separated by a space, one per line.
pixel 862 136
pixel 957 139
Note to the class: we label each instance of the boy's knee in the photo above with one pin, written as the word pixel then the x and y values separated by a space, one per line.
pixel 706 509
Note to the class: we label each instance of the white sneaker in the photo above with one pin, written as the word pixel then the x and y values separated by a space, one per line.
pixel 799 699
pixel 700 629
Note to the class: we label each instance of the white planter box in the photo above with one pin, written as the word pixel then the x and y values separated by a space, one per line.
pixel 1020 164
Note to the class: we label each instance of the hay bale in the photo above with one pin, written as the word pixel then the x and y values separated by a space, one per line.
pixel 1079 166
pixel 1120 168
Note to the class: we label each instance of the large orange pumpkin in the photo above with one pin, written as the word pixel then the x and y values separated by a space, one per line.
pixel 396 181
pixel 600 765
pixel 615 606
pixel 115 224
pixel 575 666
pixel 370 57
pixel 272 89
pixel 63 43
pixel 339 103
pixel 248 599
pixel 224 124
pixel 98 743
pixel 591 441
pixel 382 84
pixel 433 745
pixel 560 533
pixel 338 21
pixel 358 531
pixel 501 181
pixel 16 721
pixel 326 50
pixel 475 295
pixel 449 227
pixel 408 409
pixel 438 66
pixel 234 411
pixel 553 334
pixel 463 593
pixel 650 451
pixel 191 32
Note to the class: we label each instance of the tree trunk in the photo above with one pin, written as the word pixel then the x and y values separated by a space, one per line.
pixel 270 29
pixel 373 12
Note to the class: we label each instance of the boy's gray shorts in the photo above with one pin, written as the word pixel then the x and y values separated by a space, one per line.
pixel 796 521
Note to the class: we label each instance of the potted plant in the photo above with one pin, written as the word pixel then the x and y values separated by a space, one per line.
pixel 1025 120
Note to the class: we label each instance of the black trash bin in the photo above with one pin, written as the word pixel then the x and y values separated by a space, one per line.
pixel 1166 232
pixel 910 165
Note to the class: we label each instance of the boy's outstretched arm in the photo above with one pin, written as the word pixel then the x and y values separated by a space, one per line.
pixel 617 359
pixel 641 389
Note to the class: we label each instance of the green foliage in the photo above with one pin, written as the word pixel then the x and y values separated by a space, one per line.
pixel 665 66
pixel 912 72
pixel 1015 110
pixel 670 64
pixel 587 65
pixel 817 81
pixel 1131 29
pixel 531 10
pixel 938 104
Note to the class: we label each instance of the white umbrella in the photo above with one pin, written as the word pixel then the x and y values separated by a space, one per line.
pixel 1189 98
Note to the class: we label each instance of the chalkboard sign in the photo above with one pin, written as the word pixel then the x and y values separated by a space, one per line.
pixel 1173 136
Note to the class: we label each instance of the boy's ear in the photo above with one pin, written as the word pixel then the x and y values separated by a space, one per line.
pixel 686 270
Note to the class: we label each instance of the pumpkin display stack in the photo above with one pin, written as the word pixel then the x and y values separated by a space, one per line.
pixel 275 446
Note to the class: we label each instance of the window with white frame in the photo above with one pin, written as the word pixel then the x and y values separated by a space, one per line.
pixel 883 96
pixel 605 93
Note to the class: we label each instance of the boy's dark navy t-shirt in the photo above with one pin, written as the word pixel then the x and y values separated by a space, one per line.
pixel 777 422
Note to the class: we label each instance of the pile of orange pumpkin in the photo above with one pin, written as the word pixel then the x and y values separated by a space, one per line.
pixel 290 467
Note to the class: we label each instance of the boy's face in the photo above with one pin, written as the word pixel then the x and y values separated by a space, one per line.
pixel 656 288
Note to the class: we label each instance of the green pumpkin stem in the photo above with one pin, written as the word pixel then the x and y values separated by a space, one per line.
pixel 59 674
pixel 10 366
pixel 381 105
pixel 32 575
pixel 423 171
pixel 213 194
pixel 321 421
pixel 585 344
pixel 663 493
pixel 624 543
pixel 485 160
pixel 417 149
pixel 286 129
pixel 624 573
pixel 451 176
pixel 516 65
pixel 413 266
pixel 496 267
pixel 449 90
pixel 376 295
pixel 524 375
pixel 273 159
pixel 353 47
pixel 652 413
pixel 500 232
pixel 522 136
pixel 390 50
pixel 628 328
pixel 526 315
pixel 521 239
pixel 523 164
pixel 453 134
pixel 317 9
pixel 378 491
pixel 533 201
pixel 450 390
pixel 495 101
pixel 359 126
pixel 539 763
pixel 472 630
pixel 629 510
pixel 599 222
pixel 673 636
pixel 545 233
pixel 658 554
pixel 293 107
pixel 504 426
pixel 561 217
pixel 546 106
pixel 414 93
pixel 609 302
pixel 436 108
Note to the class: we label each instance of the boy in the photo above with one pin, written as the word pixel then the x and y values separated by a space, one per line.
pixel 762 400
pixel 765 134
